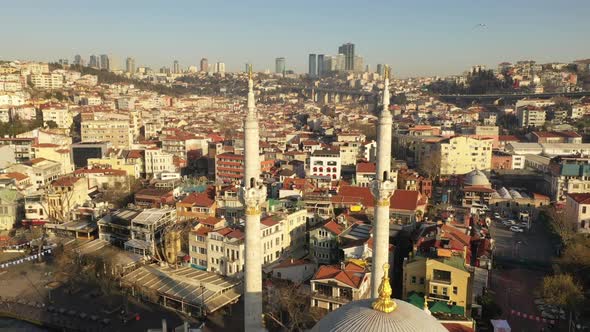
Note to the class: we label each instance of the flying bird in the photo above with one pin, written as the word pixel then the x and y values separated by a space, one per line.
pixel 479 25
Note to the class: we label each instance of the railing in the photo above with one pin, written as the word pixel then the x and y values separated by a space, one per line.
pixel 439 297
pixel 340 300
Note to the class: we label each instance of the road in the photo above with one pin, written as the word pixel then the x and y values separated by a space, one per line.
pixel 522 260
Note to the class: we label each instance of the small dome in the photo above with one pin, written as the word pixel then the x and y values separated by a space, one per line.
pixel 476 178
pixel 359 316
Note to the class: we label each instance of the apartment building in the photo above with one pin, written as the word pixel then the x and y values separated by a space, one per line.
pixel 442 279
pixel 22 147
pixel 196 206
pixel 334 286
pixel 530 116
pixel 158 161
pixel 229 167
pixel 198 240
pixel 323 242
pixel 41 171
pixel 325 163
pixel 63 195
pixel 47 80
pixel 59 114
pixel 147 230
pixel 117 132
pixel 62 155
pixel 577 209
pixel 459 155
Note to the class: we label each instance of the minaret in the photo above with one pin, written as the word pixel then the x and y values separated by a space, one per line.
pixel 382 188
pixel 252 195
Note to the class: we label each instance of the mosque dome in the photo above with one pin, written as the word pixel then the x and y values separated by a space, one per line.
pixel 476 178
pixel 384 315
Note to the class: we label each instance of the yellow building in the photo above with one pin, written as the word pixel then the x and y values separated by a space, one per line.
pixel 459 155
pixel 64 195
pixel 131 166
pixel 107 130
pixel 56 153
pixel 442 279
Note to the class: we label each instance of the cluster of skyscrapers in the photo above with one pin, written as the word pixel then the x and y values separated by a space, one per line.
pixel 217 67
pixel 103 61
pixel 344 61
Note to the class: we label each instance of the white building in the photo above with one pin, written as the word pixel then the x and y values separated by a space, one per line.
pixel 531 116
pixel 47 81
pixel 157 161
pixel 58 114
pixel 578 210
pixel 325 163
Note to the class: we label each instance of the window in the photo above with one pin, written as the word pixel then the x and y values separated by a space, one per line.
pixel 421 280
pixel 435 289
pixel 413 279
pixel 583 209
pixel 445 291
pixel 455 290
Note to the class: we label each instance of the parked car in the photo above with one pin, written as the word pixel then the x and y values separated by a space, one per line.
pixel 523 224
pixel 516 229
pixel 496 215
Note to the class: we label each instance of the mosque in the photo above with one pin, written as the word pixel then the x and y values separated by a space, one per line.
pixel 381 312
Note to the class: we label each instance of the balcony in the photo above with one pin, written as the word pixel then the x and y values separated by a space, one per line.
pixel 323 297
pixel 438 297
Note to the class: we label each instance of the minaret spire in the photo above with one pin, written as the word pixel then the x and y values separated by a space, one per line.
pixel 382 189
pixel 252 196
pixel 251 101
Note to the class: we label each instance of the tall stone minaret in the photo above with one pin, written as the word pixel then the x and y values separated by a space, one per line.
pixel 252 195
pixel 382 188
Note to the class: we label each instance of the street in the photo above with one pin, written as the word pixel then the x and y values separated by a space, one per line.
pixel 521 262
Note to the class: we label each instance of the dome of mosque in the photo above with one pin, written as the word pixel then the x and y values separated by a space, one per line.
pixel 384 315
pixel 476 178
pixel 359 316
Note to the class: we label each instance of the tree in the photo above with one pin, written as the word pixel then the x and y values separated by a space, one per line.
pixel 561 224
pixel 561 290
pixel 291 306
pixel 575 259
pixel 51 124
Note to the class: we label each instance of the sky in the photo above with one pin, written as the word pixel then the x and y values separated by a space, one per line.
pixel 417 38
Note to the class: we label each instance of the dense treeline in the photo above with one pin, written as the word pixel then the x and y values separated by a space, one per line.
pixel 483 82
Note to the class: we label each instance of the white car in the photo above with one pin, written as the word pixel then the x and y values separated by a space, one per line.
pixel 516 229
pixel 496 215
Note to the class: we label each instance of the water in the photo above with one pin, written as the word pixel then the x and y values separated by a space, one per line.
pixel 13 325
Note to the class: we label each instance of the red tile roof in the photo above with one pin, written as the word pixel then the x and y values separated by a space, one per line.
pixel 405 200
pixel 366 168
pixel 212 221
pixel 582 198
pixel 333 227
pixel 292 262
pixel 352 275
pixel 66 181
pixel 14 175
pixel 198 199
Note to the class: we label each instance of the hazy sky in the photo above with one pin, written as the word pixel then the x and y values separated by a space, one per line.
pixel 415 37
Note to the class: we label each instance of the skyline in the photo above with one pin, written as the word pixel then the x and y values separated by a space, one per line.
pixel 425 39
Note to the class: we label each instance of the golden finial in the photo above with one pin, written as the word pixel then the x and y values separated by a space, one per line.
pixel 250 71
pixel 386 74
pixel 384 303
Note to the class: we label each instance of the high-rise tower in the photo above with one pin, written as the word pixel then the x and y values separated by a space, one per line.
pixel 280 65
pixel 382 188
pixel 204 65
pixel 130 65
pixel 313 65
pixel 252 195
pixel 348 51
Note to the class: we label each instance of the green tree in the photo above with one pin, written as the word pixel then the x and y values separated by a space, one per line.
pixel 51 124
pixel 561 290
